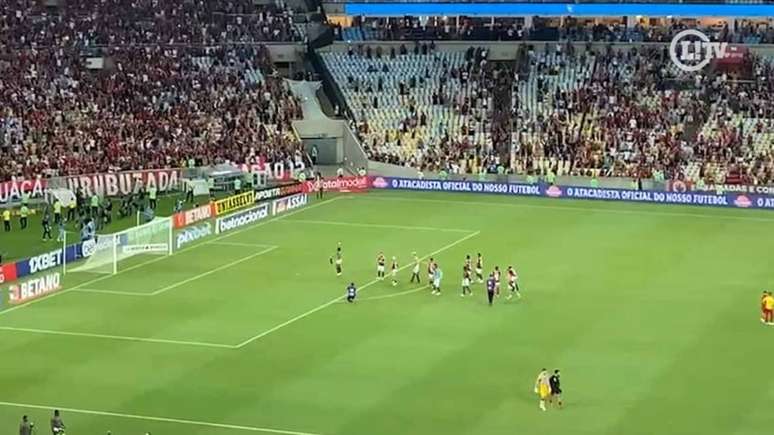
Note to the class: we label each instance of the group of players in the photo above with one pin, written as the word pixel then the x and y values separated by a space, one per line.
pixel 547 386
pixel 435 275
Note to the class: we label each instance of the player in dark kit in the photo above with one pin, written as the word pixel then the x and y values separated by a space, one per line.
pixel 337 259
pixel 556 388
pixel 480 268
pixel 430 270
pixel 490 288
pixel 466 279
pixel 351 292
pixel 380 266
pixel 57 426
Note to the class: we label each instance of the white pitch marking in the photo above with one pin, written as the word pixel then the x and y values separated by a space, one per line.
pixel 145 263
pixel 117 337
pixel 333 301
pixel 367 225
pixel 568 208
pixel 247 245
pixel 110 292
pixel 159 419
pixel 391 295
pixel 210 272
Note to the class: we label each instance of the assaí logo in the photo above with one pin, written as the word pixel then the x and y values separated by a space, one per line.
pixel 286 204
pixel 193 233
pixel 380 183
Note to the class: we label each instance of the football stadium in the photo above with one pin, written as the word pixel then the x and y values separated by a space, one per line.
pixel 224 217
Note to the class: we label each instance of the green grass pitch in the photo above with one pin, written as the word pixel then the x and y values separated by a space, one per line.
pixel 651 313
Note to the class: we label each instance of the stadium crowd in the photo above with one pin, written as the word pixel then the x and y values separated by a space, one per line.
pixel 574 112
pixel 511 29
pixel 138 102
pixel 86 23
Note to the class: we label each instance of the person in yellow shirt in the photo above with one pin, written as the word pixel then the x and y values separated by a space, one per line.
pixel 543 388
pixel 24 214
pixel 768 309
pixel 7 220
pixel 57 211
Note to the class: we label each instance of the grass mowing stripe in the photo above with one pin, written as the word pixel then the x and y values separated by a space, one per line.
pixel 210 272
pixel 145 263
pixel 159 419
pixel 335 300
pixel 386 226
pixel 117 337
pixel 568 208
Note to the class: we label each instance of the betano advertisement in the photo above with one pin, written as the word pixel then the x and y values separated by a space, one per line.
pixel 733 200
pixel 192 216
pixel 33 288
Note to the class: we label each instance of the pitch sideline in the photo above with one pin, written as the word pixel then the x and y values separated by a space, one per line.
pixel 160 419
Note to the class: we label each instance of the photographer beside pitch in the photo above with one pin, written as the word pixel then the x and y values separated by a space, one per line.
pixel 25 427
pixel 57 425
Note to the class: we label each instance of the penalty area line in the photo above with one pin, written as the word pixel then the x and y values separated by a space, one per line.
pixel 336 299
pixel 391 295
pixel 183 421
pixel 117 337
pixel 155 260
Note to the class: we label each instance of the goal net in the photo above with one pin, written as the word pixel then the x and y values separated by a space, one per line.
pixel 108 252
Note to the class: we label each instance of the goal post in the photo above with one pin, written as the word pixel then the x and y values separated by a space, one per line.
pixel 107 252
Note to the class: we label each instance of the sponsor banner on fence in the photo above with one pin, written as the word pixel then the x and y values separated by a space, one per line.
pixel 340 184
pixel 7 273
pixel 192 234
pixel 242 218
pixel 124 183
pixel 49 260
pixel 189 217
pixel 234 202
pixel 278 191
pixel 738 188
pixel 274 171
pixel 457 186
pixel 283 205
pixel 147 247
pixel 575 192
pixel 11 191
pixel 34 288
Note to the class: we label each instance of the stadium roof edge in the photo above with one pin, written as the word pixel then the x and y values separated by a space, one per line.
pixel 559 9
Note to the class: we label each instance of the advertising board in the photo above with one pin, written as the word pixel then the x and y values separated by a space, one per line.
pixel 234 202
pixel 242 218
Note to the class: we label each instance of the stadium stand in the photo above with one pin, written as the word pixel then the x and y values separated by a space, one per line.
pixel 156 107
pixel 601 113
pixel 96 86
pixel 509 29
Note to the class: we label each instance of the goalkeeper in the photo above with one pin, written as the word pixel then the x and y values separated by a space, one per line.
pixel 57 426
